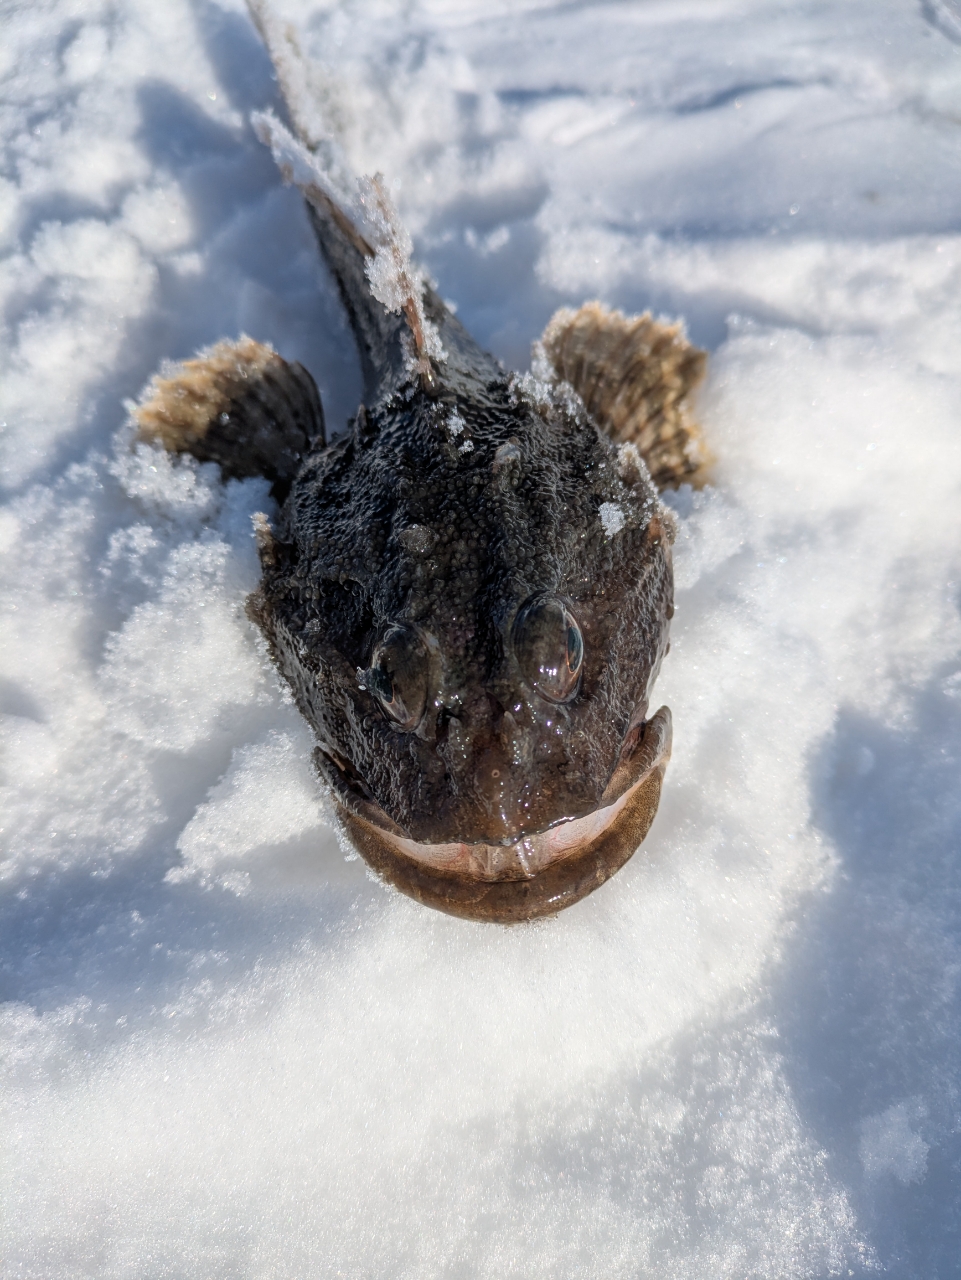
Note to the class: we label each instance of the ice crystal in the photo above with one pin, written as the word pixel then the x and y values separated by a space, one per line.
pixel 612 517
pixel 396 283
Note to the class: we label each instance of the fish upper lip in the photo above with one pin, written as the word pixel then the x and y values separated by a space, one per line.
pixel 352 794
pixel 534 875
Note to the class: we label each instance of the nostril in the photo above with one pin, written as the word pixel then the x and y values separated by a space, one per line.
pixel 493 777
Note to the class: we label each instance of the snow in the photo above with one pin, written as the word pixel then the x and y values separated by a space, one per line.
pixel 227 1051
pixel 889 1144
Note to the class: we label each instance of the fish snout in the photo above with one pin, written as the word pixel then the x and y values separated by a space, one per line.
pixel 485 758
pixel 512 775
pixel 496 786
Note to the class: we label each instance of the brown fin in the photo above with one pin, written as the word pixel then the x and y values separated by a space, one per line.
pixel 239 404
pixel 634 375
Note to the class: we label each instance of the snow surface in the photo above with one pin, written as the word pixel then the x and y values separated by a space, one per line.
pixel 227 1052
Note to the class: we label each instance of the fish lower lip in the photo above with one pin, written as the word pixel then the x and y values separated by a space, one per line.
pixel 536 875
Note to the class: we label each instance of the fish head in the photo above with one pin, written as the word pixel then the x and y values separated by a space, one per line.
pixel 471 599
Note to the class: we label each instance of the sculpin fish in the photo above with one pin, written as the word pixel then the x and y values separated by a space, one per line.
pixel 469 591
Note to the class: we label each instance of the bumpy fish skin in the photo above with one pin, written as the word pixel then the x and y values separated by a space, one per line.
pixel 401 523
pixel 467 519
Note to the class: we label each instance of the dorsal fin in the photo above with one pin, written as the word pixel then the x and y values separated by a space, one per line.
pixel 311 158
pixel 401 326
pixel 634 375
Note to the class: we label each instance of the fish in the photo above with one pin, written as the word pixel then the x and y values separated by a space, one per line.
pixel 469 590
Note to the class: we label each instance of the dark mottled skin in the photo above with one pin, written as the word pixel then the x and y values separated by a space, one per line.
pixel 395 523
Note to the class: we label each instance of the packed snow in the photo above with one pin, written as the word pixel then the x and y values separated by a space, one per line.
pixel 227 1051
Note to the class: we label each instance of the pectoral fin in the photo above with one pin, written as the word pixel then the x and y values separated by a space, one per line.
pixel 239 404
pixel 634 375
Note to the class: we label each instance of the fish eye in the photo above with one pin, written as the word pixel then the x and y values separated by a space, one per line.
pixel 398 673
pixel 549 648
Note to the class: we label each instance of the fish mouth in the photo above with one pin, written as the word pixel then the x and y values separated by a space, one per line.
pixel 535 875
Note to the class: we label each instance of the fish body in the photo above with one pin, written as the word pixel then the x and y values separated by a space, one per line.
pixel 470 591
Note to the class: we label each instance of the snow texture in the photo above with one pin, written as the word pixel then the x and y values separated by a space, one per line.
pixel 226 1051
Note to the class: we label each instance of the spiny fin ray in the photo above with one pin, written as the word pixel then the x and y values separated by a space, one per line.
pixel 236 403
pixel 634 375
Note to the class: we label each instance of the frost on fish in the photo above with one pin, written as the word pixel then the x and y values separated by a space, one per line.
pixel 612 517
pixel 368 217
pixel 315 115
pixel 395 282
